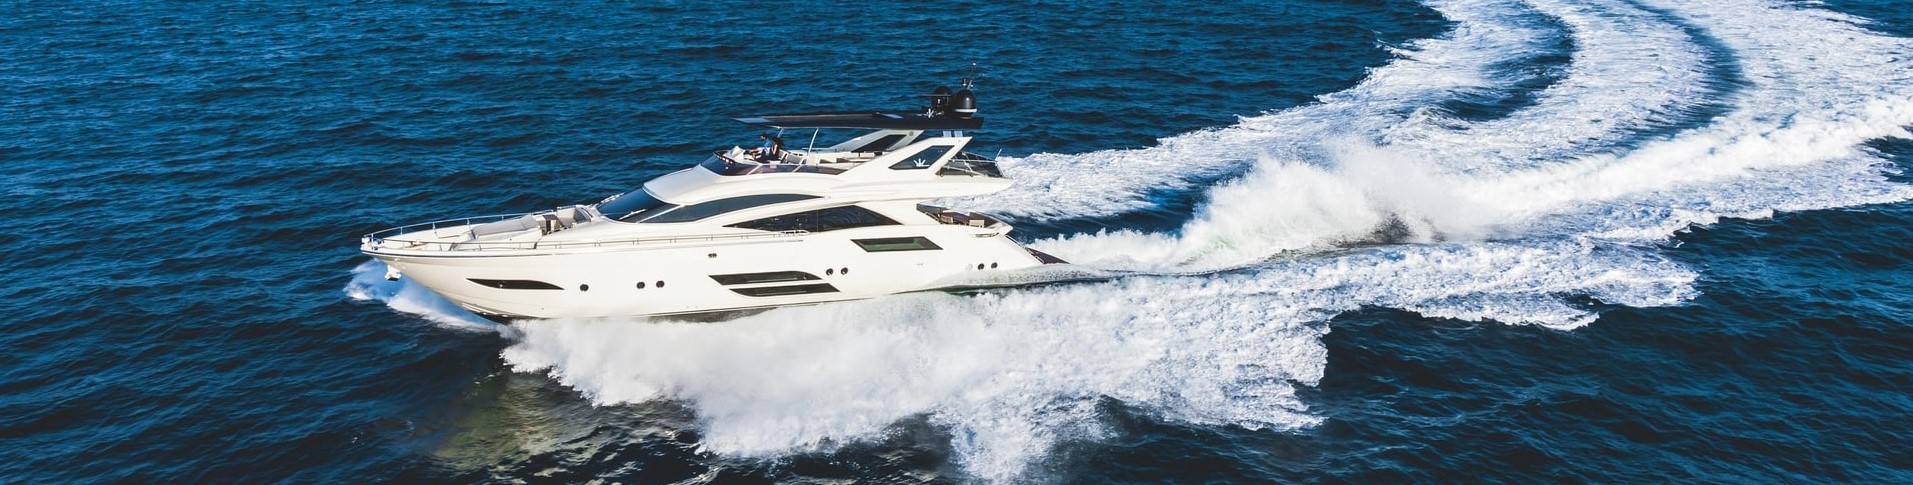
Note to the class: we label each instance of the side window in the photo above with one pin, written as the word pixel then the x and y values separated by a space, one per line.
pixel 923 159
pixel 695 212
pixel 632 206
pixel 888 244
pixel 847 217
pixel 880 145
pixel 821 220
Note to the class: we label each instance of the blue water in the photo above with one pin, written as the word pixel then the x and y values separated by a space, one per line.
pixel 1358 242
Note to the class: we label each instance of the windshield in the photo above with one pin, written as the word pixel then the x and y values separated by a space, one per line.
pixel 630 206
pixel 700 211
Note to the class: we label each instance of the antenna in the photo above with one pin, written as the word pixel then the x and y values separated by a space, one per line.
pixel 969 80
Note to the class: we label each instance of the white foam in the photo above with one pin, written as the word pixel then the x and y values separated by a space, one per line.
pixel 1012 373
pixel 1291 206
pixel 1426 71
pixel 1796 148
pixel 1633 69
pixel 369 283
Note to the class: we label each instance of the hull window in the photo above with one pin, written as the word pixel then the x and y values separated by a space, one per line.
pixel 896 244
pixel 516 284
pixel 771 277
pixel 787 290
pixel 831 219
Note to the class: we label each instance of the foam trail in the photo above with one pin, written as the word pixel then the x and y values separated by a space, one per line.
pixel 1636 71
pixel 369 283
pixel 1807 127
pixel 1012 373
pixel 1426 72
pixel 1795 144
pixel 1287 206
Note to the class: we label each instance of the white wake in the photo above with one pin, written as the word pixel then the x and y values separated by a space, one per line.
pixel 1502 220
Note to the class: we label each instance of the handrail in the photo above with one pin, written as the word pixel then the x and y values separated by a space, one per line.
pixel 724 165
pixel 434 225
pixel 947 216
pixel 972 164
pixel 373 241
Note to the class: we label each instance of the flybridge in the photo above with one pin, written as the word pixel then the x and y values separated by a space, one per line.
pixel 900 141
pixel 866 120
pixel 953 111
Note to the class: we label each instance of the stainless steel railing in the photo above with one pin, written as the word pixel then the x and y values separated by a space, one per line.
pixel 384 239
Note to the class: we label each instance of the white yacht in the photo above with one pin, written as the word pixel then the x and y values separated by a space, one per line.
pixel 739 231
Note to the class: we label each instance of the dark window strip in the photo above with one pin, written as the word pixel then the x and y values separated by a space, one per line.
pixel 516 284
pixel 787 290
pixel 879 245
pixel 821 220
pixel 770 277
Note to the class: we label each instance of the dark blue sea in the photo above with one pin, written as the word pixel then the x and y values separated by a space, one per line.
pixel 1366 241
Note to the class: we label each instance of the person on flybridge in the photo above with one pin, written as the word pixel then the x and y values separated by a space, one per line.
pixel 772 148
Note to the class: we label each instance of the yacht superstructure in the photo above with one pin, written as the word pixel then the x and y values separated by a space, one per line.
pixel 740 230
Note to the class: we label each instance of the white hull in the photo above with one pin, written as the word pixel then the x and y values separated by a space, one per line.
pixel 677 278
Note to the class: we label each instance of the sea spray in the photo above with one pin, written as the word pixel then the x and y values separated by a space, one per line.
pixel 1280 207
pixel 369 283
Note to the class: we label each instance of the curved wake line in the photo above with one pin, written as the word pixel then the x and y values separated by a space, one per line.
pixel 1633 73
pixel 1511 218
pixel 1425 73
pixel 1422 179
pixel 1638 71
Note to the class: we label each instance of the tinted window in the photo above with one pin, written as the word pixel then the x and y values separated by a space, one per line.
pixel 819 220
pixel 881 144
pixel 700 211
pixel 787 290
pixel 631 206
pixel 516 284
pixel 896 244
pixel 923 159
pixel 754 278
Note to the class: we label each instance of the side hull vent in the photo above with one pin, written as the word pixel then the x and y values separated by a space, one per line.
pixel 786 290
pixel 770 277
pixel 515 284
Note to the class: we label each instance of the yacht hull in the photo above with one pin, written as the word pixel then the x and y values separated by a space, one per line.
pixel 703 277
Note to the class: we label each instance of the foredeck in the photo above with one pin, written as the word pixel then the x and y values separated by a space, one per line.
pixel 516 232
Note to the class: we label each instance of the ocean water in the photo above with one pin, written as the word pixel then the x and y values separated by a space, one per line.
pixel 1444 241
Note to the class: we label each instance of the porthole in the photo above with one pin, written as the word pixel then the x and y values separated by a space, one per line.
pixel 844 271
pixel 979 266
pixel 992 265
pixel 640 285
pixel 712 255
pixel 660 283
pixel 830 271
pixel 584 287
